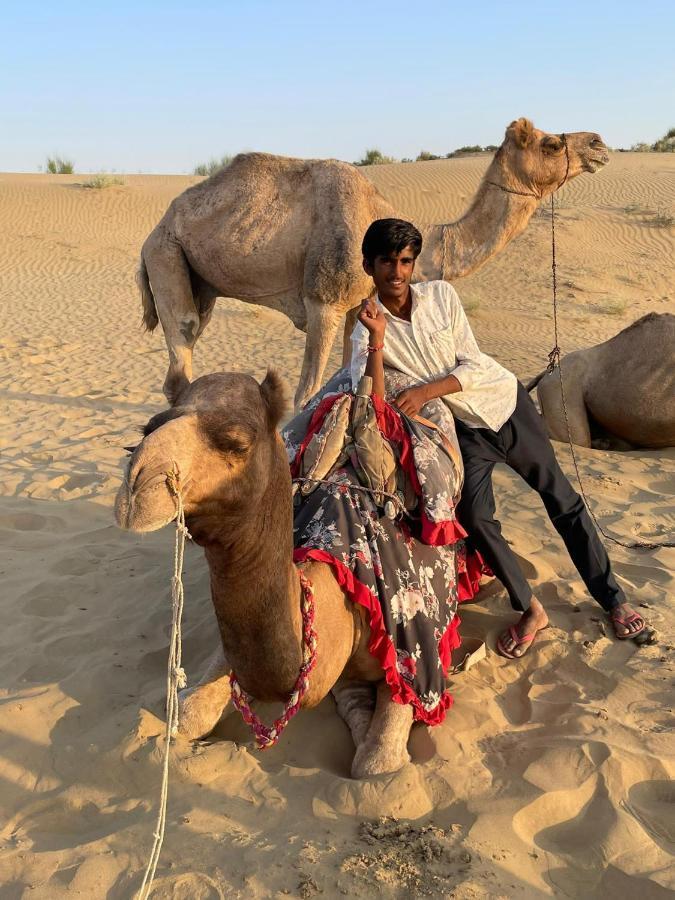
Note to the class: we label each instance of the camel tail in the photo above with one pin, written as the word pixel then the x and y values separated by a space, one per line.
pixel 150 317
pixel 531 385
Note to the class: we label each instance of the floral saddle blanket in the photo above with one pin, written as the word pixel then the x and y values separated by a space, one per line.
pixel 409 570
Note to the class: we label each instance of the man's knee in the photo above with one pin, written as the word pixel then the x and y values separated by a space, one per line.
pixel 476 518
pixel 564 509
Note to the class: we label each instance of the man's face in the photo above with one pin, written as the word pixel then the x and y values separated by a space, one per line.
pixel 392 274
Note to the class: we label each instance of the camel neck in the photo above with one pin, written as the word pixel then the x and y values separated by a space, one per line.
pixel 256 590
pixel 494 218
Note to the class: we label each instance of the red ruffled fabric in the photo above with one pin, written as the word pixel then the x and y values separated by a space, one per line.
pixel 381 645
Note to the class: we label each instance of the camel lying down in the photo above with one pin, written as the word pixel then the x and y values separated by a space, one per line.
pixel 236 488
pixel 620 393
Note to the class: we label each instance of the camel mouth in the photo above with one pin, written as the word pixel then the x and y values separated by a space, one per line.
pixel 140 509
pixel 596 161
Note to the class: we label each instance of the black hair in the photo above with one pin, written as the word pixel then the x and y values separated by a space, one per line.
pixel 387 236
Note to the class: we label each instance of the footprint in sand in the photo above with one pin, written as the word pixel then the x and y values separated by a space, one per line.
pixel 24 521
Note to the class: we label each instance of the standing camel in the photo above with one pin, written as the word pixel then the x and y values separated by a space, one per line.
pixel 286 234
pixel 236 489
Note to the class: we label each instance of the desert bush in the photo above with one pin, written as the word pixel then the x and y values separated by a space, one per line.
pixel 462 151
pixel 102 180
pixel 662 219
pixel 470 302
pixel 58 166
pixel 425 156
pixel 374 157
pixel 213 165
pixel 612 306
pixel 666 144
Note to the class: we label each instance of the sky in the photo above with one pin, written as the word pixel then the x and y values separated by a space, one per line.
pixel 159 87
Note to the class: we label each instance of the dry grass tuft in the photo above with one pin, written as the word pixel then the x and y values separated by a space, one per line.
pixel 102 180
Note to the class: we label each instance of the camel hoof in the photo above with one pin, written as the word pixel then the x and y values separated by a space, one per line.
pixel 378 760
pixel 196 718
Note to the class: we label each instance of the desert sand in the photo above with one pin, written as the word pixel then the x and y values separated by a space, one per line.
pixel 550 776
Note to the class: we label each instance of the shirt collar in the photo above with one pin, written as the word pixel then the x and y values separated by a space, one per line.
pixel 415 300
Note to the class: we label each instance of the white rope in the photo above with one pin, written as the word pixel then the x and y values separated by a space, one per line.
pixel 175 678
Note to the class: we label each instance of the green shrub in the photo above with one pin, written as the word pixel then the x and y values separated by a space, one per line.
pixel 374 157
pixel 58 166
pixel 463 151
pixel 666 144
pixel 425 156
pixel 102 180
pixel 214 165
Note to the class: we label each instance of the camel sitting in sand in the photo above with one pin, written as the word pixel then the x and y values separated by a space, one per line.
pixel 236 489
pixel 286 234
pixel 620 393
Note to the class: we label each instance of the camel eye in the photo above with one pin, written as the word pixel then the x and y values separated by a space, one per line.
pixel 551 145
pixel 234 442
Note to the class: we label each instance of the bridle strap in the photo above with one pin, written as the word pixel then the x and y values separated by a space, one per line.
pixel 507 190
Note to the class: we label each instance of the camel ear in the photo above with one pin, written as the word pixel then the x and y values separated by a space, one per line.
pixel 274 394
pixel 521 131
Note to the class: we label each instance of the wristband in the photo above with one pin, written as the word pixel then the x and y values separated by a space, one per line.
pixel 373 349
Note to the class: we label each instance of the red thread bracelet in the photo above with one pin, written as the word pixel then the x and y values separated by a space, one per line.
pixel 373 349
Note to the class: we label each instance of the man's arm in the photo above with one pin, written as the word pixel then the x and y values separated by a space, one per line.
pixel 413 399
pixel 373 320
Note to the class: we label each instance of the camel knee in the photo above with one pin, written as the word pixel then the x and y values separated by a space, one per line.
pixel 355 701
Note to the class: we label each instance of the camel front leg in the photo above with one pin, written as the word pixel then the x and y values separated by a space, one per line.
pixel 385 746
pixel 322 325
pixel 200 708
pixel 169 275
pixel 350 324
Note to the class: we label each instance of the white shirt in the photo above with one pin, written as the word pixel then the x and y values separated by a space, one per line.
pixel 437 342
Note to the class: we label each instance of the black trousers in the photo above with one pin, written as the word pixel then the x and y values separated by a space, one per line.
pixel 522 443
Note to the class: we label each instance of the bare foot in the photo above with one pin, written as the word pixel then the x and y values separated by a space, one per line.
pixel 511 643
pixel 627 623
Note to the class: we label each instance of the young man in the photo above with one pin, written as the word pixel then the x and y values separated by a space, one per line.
pixel 422 330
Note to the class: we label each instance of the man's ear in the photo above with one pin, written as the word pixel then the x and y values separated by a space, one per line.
pixel 367 267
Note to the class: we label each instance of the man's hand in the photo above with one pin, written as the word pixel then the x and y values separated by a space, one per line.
pixel 412 400
pixel 372 318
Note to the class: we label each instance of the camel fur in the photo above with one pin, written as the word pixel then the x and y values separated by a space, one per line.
pixel 286 234
pixel 221 435
pixel 618 394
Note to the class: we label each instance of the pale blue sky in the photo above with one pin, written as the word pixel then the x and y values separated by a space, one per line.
pixel 161 86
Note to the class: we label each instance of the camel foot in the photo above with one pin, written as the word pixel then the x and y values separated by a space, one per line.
pixel 199 712
pixel 385 746
pixel 372 760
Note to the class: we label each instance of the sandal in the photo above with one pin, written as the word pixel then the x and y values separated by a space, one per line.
pixel 518 640
pixel 633 617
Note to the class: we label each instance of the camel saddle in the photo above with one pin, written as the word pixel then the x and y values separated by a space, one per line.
pixel 350 433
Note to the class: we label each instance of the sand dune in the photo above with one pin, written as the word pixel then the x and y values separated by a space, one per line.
pixel 551 776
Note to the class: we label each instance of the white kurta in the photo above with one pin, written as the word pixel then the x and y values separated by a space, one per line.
pixel 437 342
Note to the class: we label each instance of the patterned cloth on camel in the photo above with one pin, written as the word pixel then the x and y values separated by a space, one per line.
pixel 408 573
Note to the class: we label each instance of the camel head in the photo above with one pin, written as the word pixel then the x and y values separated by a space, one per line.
pixel 221 439
pixel 534 161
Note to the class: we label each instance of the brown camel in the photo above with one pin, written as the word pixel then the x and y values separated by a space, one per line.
pixel 236 488
pixel 286 233
pixel 620 393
